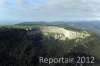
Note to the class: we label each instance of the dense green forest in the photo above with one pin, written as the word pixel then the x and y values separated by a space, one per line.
pixel 19 49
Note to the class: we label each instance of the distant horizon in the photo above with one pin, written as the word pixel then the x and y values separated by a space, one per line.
pixel 18 22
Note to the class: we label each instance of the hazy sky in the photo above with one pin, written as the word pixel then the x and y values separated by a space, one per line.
pixel 49 10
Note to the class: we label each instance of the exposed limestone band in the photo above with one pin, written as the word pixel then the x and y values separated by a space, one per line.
pixel 63 33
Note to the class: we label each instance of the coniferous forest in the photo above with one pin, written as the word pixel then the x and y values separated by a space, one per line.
pixel 17 48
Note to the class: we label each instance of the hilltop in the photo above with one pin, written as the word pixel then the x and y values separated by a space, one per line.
pixel 93 26
pixel 59 32
pixel 22 45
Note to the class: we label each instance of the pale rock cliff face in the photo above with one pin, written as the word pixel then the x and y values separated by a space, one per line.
pixel 59 33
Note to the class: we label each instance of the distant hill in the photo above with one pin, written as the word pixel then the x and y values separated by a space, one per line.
pixel 93 26
pixel 30 23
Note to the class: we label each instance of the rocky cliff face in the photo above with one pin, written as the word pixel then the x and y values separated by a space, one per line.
pixel 59 33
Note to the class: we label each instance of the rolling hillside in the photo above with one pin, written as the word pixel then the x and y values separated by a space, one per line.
pixel 93 26
pixel 22 45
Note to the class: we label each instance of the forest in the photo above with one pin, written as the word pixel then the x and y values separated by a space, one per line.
pixel 19 49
